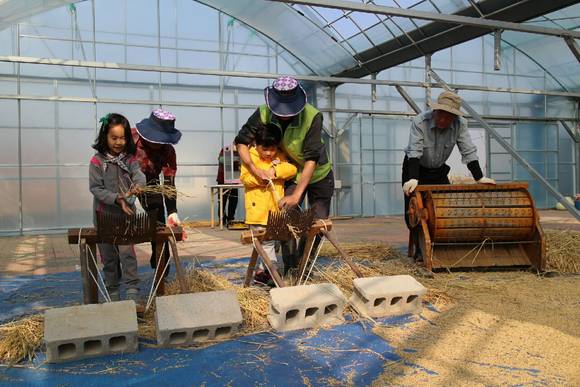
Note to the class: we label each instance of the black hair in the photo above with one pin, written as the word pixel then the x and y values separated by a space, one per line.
pixel 110 120
pixel 268 135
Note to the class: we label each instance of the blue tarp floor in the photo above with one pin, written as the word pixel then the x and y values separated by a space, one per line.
pixel 346 354
pixel 349 352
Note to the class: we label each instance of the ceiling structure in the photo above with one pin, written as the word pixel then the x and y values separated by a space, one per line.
pixel 354 43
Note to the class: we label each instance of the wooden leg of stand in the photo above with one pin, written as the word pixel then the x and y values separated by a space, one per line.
pixel 411 247
pixel 271 267
pixel 178 269
pixel 88 282
pixel 306 254
pixel 332 239
pixel 94 269
pixel 251 267
pixel 161 262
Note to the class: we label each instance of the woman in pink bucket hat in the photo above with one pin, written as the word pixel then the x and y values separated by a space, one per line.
pixel 154 138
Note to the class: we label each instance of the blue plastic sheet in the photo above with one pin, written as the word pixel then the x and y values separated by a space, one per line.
pixel 346 352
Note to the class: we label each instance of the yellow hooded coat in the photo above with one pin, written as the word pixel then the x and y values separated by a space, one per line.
pixel 260 199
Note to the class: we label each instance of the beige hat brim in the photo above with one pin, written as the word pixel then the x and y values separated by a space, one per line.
pixel 436 106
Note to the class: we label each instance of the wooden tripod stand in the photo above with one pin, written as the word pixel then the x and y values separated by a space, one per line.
pixel 319 226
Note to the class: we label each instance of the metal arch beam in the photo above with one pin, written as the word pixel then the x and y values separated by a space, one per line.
pixel 513 152
pixel 571 42
pixel 444 35
pixel 452 19
pixel 571 132
pixel 408 98
pixel 248 74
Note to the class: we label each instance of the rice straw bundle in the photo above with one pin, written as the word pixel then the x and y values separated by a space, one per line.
pixel 563 251
pixel 199 280
pixel 255 305
pixel 168 191
pixel 360 250
pixel 20 339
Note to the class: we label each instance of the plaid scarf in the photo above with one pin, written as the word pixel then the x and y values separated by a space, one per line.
pixel 116 160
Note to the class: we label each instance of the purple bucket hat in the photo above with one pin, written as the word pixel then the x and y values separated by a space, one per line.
pixel 285 98
pixel 159 128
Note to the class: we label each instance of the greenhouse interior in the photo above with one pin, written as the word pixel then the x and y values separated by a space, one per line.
pixel 391 249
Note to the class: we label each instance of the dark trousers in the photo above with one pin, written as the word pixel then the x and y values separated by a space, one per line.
pixel 426 176
pixel 319 198
pixel 152 202
pixel 230 204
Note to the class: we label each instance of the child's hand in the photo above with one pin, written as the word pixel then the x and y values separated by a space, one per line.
pixel 135 190
pixel 124 206
pixel 262 174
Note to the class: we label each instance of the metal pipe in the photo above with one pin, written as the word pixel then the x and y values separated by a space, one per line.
pixel 334 139
pixel 514 153
pixel 497 50
pixel 245 74
pixel 440 17
pixel 571 42
pixel 574 136
pixel 408 98
pixel 428 80
pixel 19 112
pixel 241 106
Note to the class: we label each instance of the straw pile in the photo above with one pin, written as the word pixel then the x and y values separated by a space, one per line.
pixel 21 338
pixel 360 250
pixel 373 260
pixel 563 251
pixel 254 302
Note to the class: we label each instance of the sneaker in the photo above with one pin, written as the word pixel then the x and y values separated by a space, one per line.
pixel 262 277
pixel 115 295
pixel 133 294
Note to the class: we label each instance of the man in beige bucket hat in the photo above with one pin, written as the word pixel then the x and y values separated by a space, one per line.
pixel 434 134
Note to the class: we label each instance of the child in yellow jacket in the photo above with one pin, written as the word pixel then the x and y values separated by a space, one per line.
pixel 261 197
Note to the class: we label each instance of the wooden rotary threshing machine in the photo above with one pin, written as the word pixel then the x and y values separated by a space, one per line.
pixel 467 225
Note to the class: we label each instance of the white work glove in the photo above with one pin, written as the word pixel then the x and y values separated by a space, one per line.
pixel 486 180
pixel 173 220
pixel 410 186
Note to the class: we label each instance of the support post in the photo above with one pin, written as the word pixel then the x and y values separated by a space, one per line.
pixel 251 267
pixel 513 152
pixel 178 269
pixel 428 80
pixel 497 50
pixel 269 264
pixel 334 139
pixel 332 239
pixel 160 262
pixel 92 269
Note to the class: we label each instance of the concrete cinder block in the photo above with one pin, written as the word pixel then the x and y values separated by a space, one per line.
pixel 83 331
pixel 305 306
pixel 387 296
pixel 185 319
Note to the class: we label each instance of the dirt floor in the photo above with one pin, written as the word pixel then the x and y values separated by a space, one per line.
pixel 498 328
pixel 491 328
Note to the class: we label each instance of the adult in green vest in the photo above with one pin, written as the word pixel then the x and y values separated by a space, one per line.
pixel 301 126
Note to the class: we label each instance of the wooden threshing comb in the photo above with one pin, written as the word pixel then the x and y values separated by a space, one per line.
pixel 288 224
pixel 121 229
